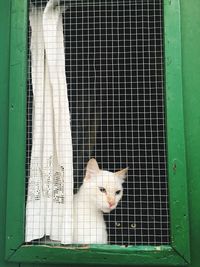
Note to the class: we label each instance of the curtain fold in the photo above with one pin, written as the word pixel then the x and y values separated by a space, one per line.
pixel 49 209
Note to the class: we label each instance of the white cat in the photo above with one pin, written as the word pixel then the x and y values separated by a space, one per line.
pixel 100 192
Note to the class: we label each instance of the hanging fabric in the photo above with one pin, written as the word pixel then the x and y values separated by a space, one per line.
pixel 49 209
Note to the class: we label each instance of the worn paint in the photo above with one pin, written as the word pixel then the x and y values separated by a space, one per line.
pixel 4 84
pixel 17 126
pixel 177 175
pixel 191 84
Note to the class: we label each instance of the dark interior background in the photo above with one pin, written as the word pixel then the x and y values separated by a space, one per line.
pixel 114 70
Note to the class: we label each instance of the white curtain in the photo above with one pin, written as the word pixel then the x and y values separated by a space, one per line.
pixel 49 209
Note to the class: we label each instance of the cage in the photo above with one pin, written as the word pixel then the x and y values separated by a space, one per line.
pixel 114 72
pixel 96 88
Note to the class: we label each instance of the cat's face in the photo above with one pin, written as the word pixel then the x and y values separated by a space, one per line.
pixel 104 187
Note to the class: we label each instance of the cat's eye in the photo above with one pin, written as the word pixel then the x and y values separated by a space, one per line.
pixel 102 189
pixel 117 192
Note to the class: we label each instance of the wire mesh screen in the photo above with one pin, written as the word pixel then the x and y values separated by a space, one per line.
pixel 115 83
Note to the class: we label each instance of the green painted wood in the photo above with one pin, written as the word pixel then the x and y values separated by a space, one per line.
pixel 165 257
pixel 177 174
pixel 4 77
pixel 191 84
pixel 17 119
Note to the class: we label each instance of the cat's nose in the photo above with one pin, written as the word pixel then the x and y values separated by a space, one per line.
pixel 111 203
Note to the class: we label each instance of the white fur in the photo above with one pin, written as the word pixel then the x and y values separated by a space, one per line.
pixel 90 203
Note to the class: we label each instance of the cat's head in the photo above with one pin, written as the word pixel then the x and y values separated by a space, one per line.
pixel 103 187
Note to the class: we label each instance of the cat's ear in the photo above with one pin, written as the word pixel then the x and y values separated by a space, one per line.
pixel 91 169
pixel 122 174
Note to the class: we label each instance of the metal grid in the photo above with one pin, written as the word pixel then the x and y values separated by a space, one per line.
pixel 114 69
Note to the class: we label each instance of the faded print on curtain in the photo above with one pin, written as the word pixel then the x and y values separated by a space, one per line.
pixel 49 208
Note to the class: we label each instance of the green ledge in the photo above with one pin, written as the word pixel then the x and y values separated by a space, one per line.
pixel 101 255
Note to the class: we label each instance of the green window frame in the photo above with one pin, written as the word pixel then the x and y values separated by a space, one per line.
pixel 175 254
